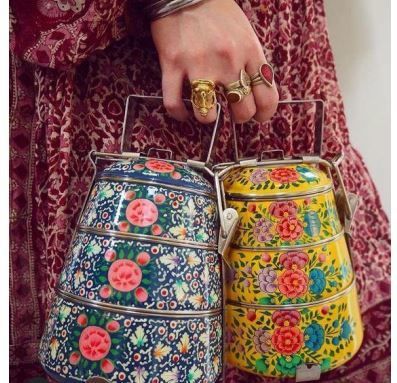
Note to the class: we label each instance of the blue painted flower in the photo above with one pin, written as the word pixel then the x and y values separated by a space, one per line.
pixel 313 223
pixel 314 337
pixel 346 329
pixel 344 270
pixel 307 174
pixel 317 281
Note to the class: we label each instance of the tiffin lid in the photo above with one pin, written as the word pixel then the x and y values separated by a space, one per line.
pixel 275 181
pixel 160 172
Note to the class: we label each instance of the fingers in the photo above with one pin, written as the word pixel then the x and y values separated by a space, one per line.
pixel 244 110
pixel 172 83
pixel 266 98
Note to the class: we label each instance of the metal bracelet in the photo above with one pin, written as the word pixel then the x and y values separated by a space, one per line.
pixel 161 8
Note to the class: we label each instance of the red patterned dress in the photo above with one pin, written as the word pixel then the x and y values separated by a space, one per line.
pixel 73 62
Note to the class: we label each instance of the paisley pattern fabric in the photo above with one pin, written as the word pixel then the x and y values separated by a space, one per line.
pixel 73 63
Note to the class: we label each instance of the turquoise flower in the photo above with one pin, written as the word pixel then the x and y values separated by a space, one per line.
pixel 346 329
pixel 314 337
pixel 317 278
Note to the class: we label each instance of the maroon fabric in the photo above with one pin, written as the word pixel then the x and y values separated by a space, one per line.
pixel 72 66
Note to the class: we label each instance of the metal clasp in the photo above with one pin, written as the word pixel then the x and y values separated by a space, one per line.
pixel 307 372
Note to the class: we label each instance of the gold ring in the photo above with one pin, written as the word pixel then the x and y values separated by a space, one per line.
pixel 203 95
pixel 265 75
pixel 237 90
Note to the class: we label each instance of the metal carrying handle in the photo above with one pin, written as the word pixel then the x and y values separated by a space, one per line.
pixel 134 98
pixel 319 115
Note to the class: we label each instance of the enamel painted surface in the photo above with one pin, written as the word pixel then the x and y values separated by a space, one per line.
pixel 139 297
pixel 159 171
pixel 142 274
pixel 81 342
pixel 292 222
pixel 129 207
pixel 275 180
pixel 289 277
pixel 289 292
pixel 274 342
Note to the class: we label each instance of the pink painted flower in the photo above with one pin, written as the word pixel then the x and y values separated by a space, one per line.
pixel 113 326
pixel 287 340
pixel 124 275
pixel 286 318
pixel 283 209
pixel 284 175
pixel 293 283
pixel 107 366
pixel 82 320
pixel 94 343
pixel 290 229
pixel 74 358
pixel 110 255
pixel 143 258
pixel 159 198
pixel 141 212
pixel 160 166
pixel 105 292
pixel 262 230
pixel 294 260
pixel 141 294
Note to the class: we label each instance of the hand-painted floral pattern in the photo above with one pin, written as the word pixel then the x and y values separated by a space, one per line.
pixel 283 277
pixel 163 172
pixel 142 273
pixel 153 210
pixel 290 223
pixel 115 346
pixel 291 179
pixel 274 342
pixel 51 136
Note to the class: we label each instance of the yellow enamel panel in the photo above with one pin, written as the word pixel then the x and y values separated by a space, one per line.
pixel 276 180
pixel 274 342
pixel 294 222
pixel 289 277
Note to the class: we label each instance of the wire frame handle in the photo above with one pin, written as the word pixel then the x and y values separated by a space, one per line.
pixel 133 99
pixel 318 127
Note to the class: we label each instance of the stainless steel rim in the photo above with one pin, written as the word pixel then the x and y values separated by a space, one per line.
pixel 147 238
pixel 137 311
pixel 320 302
pixel 279 196
pixel 282 248
pixel 153 183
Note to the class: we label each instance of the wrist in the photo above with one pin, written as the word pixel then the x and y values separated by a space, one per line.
pixel 156 9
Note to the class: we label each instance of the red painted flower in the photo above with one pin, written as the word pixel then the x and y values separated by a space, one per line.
pixel 294 260
pixel 293 283
pixel 142 212
pixel 284 175
pixel 283 209
pixel 124 275
pixel 286 318
pixel 160 166
pixel 94 343
pixel 290 229
pixel 287 340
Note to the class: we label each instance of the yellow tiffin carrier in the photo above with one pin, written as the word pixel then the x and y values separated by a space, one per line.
pixel 292 308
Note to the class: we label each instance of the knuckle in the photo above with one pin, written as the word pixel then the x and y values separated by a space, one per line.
pixel 172 106
pixel 244 113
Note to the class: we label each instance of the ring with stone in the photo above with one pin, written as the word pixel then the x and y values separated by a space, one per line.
pixel 265 75
pixel 237 90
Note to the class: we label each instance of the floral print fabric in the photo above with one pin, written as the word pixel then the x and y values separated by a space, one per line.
pixel 72 66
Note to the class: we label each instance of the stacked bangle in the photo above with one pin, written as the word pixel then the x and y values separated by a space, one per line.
pixel 161 8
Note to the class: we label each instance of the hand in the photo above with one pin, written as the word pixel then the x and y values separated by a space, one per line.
pixel 211 40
